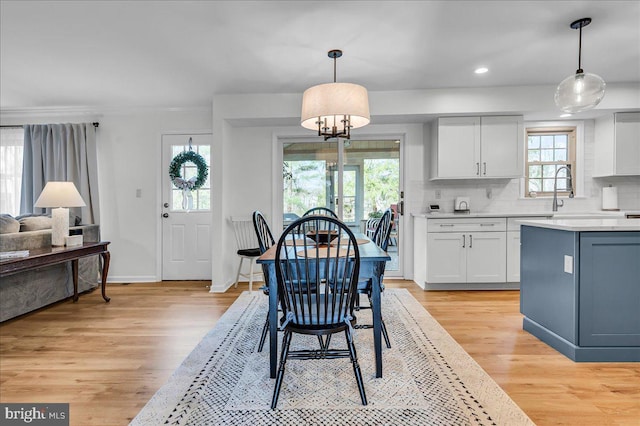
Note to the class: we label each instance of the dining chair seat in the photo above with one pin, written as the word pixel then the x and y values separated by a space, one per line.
pixel 252 252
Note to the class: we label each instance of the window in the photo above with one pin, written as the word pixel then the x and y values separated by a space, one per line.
pixel 547 151
pixel 11 143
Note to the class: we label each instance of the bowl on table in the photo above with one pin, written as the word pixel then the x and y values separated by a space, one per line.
pixel 322 236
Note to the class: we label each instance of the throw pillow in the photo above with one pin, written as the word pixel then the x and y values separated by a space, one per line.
pixel 34 223
pixel 8 224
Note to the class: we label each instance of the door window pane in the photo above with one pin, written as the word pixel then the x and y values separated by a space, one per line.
pixel 197 199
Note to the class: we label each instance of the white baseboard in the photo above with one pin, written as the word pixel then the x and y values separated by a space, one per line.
pixel 119 279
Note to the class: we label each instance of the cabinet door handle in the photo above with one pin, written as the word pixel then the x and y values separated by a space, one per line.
pixel 477 169
pixel 485 168
pixel 487 224
pixel 470 241
pixel 443 225
pixel 464 241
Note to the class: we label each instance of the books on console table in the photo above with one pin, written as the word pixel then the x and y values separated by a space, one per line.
pixel 13 254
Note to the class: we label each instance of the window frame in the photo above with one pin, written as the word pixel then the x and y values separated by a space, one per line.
pixel 578 167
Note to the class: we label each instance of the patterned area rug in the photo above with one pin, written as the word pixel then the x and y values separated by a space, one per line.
pixel 428 378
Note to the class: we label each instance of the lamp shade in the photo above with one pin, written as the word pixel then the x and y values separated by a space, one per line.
pixel 330 103
pixel 579 92
pixel 59 194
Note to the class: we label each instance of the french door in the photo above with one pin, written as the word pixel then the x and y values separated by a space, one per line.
pixel 357 179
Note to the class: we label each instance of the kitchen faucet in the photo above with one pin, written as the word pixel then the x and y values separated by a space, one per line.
pixel 560 203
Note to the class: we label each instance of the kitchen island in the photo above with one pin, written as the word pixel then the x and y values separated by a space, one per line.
pixel 580 286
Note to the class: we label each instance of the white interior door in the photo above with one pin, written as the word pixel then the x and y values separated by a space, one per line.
pixel 186 221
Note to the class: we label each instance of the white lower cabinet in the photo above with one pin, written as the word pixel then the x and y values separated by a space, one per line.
pixel 471 256
pixel 446 258
pixel 513 256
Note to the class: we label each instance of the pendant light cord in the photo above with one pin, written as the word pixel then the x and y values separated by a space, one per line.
pixel 580 52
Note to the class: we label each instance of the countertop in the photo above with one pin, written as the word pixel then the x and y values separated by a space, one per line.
pixel 580 225
pixel 557 215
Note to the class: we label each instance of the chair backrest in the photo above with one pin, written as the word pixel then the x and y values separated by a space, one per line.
pixel 244 232
pixel 317 284
pixel 381 236
pixel 263 233
pixel 322 211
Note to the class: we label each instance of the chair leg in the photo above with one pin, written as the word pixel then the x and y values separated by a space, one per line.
pixel 356 366
pixel 252 262
pixel 265 330
pixel 283 359
pixel 385 334
pixel 384 327
pixel 238 274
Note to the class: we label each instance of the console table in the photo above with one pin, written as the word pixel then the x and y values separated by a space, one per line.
pixel 53 255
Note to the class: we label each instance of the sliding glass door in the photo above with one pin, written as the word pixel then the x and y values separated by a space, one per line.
pixel 358 179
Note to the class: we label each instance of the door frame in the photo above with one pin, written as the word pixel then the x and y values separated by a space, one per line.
pixel 158 195
pixel 279 138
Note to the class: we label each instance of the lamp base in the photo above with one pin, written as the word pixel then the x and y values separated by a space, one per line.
pixel 59 226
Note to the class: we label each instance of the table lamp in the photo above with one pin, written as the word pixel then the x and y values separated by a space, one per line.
pixel 59 195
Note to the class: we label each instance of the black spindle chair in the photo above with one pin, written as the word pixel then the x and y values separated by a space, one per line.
pixel 320 211
pixel 317 287
pixel 381 239
pixel 265 241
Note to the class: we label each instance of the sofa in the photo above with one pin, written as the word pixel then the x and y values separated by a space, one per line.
pixel 30 290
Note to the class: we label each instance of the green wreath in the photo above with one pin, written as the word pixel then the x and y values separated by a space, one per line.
pixel 196 181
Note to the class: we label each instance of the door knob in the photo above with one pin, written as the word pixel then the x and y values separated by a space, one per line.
pixel 165 214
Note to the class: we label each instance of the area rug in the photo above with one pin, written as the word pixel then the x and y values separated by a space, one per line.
pixel 428 379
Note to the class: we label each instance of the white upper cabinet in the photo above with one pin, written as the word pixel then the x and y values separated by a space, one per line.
pixel 617 145
pixel 477 147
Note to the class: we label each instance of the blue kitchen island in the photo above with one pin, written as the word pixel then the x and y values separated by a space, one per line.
pixel 580 286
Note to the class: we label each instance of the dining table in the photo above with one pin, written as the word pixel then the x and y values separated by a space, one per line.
pixel 370 257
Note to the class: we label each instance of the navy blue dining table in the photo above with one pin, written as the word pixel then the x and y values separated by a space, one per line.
pixel 370 256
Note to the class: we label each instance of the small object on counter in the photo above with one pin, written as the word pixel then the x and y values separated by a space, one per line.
pixel 461 205
pixel 610 198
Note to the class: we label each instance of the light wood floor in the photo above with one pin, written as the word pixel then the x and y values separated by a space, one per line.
pixel 107 360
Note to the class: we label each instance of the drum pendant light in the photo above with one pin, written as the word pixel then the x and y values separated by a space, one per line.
pixel 333 109
pixel 581 91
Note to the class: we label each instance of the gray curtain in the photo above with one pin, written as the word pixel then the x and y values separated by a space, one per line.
pixel 61 152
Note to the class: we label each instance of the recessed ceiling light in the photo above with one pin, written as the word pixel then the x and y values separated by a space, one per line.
pixel 565 115
pixel 481 70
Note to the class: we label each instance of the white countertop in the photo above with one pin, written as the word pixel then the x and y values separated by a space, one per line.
pixel 557 215
pixel 580 225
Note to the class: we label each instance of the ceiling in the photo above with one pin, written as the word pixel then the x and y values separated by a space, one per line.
pixel 181 53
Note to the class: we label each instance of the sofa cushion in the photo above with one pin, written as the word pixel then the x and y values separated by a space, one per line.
pixel 8 224
pixel 41 223
pixel 34 223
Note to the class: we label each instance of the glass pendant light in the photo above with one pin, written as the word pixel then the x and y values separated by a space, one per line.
pixel 581 91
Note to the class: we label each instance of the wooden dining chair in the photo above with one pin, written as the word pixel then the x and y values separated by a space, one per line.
pixel 317 287
pixel 247 248
pixel 381 239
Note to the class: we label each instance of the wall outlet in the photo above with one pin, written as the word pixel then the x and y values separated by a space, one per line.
pixel 438 194
pixel 138 193
pixel 568 264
